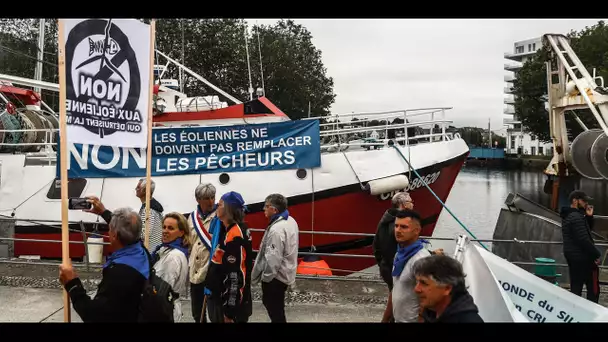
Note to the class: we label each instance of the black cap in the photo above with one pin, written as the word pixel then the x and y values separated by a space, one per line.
pixel 578 194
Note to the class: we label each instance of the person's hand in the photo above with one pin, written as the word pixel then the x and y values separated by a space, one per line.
pixel 98 207
pixel 228 320
pixel 589 210
pixel 438 251
pixel 66 273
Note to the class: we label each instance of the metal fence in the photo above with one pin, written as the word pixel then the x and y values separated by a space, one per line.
pixel 373 276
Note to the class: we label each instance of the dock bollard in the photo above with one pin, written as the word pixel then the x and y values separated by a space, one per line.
pixel 545 268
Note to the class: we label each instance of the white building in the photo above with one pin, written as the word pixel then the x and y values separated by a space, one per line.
pixel 519 141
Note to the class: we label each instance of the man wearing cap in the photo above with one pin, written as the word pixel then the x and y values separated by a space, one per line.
pixel 579 249
pixel 229 275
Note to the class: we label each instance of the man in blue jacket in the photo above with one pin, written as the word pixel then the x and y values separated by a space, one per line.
pixel 123 276
pixel 580 252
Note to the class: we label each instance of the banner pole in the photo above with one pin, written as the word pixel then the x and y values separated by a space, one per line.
pixel 150 123
pixel 63 148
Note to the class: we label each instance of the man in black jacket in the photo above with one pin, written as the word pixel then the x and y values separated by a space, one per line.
pixel 579 249
pixel 123 277
pixel 442 291
pixel 385 244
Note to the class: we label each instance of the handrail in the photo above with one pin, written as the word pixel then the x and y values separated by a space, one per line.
pixel 383 127
pixel 406 111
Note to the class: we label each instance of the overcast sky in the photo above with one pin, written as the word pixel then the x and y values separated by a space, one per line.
pixel 390 64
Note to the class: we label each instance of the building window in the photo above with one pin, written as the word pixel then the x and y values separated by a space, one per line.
pixel 534 46
pixel 519 49
pixel 529 47
pixel 533 150
pixel 533 137
pixel 512 142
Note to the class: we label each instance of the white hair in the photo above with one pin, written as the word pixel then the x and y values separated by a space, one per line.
pixel 204 191
pixel 127 225
pixel 401 198
pixel 152 184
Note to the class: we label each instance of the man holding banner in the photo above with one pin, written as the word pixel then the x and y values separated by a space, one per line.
pixel 105 95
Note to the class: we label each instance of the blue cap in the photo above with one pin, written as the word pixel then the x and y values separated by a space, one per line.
pixel 233 199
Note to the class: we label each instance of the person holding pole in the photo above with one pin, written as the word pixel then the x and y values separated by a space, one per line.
pixel 123 276
pixel 156 212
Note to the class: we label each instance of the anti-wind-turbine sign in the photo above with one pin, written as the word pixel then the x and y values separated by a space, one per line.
pixel 107 63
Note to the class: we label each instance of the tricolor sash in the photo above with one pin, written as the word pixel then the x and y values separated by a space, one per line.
pixel 199 227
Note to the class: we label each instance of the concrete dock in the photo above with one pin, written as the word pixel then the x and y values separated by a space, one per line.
pixel 30 292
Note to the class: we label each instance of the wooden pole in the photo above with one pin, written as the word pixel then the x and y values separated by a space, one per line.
pixel 149 147
pixel 63 148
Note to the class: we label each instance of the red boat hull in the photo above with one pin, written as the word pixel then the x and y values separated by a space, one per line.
pixel 345 210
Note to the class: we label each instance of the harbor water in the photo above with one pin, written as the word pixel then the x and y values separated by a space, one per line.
pixel 479 194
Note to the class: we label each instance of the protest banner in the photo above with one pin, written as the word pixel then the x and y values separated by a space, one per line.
pixel 105 92
pixel 107 79
pixel 536 299
pixel 196 150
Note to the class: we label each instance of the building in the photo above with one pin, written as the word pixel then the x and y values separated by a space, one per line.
pixel 518 140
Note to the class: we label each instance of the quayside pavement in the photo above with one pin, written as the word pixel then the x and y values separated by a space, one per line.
pixel 30 292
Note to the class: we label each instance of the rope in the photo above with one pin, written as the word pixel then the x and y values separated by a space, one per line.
pixel 438 199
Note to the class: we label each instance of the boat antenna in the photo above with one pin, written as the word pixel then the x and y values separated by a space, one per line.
pixel 260 51
pixel 38 71
pixel 248 64
pixel 181 74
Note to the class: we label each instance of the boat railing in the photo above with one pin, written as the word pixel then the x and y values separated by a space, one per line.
pixel 338 132
pixel 374 129
pixel 49 136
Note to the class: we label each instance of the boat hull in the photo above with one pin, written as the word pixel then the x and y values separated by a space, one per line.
pixel 342 209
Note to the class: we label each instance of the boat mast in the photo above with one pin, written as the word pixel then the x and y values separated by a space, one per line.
pixel 260 51
pixel 181 74
pixel 38 72
pixel 248 64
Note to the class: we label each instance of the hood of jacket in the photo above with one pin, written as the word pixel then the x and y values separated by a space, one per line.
pixel 154 205
pixel 389 216
pixel 565 211
pixel 462 304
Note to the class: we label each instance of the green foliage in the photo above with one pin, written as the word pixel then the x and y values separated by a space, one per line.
pixel 530 87
pixel 293 70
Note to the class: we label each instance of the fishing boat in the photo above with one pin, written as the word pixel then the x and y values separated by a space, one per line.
pixel 334 204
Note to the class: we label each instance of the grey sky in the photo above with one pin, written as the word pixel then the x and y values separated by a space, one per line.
pixel 390 64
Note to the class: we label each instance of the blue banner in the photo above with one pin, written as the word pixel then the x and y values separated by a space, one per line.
pixel 196 150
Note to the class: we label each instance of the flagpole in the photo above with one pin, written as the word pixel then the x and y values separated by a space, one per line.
pixel 149 147
pixel 63 162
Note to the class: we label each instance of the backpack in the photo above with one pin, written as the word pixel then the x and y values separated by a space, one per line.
pixel 157 298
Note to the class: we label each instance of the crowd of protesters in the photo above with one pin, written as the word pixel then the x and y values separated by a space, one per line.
pixel 208 253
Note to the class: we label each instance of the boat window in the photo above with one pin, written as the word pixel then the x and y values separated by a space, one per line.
pixel 301 173
pixel 256 107
pixel 224 178
pixel 75 188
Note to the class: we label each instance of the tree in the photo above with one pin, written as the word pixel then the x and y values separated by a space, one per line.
pixel 18 52
pixel 473 136
pixel 530 87
pixel 294 74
